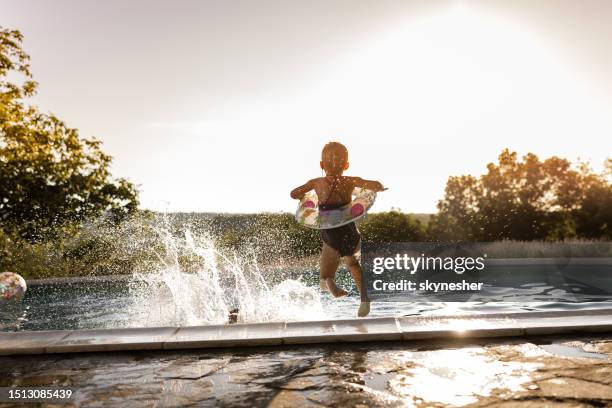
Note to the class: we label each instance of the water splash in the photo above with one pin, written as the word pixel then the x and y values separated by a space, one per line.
pixel 195 283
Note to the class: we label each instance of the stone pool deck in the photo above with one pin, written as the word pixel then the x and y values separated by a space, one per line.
pixel 527 372
pixel 533 359
pixel 315 332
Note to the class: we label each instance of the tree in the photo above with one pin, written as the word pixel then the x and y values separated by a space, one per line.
pixel 51 176
pixel 593 219
pixel 526 199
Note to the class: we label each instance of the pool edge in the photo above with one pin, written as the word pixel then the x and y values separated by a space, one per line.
pixel 407 328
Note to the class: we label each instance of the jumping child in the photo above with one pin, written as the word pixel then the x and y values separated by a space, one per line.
pixel 335 191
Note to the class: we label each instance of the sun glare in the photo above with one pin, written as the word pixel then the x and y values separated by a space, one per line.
pixel 435 96
pixel 450 72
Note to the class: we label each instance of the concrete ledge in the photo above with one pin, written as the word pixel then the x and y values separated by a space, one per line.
pixel 231 335
pixel 111 340
pixel 331 331
pixel 415 328
pixel 29 342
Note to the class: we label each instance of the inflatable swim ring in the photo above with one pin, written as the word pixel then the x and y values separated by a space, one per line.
pixel 309 215
pixel 12 286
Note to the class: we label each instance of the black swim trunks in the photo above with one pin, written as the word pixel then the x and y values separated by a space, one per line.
pixel 344 239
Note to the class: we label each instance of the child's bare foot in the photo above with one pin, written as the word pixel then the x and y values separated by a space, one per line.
pixel 335 290
pixel 364 309
pixel 323 284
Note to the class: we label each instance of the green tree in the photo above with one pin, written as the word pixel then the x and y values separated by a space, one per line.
pixel 593 218
pixel 524 200
pixel 51 176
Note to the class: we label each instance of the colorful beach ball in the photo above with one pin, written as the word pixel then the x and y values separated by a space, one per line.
pixel 12 286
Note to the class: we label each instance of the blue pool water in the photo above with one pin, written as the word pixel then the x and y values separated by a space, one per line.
pixel 138 303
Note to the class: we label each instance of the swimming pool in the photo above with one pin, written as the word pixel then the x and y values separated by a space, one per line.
pixel 183 299
pixel 171 292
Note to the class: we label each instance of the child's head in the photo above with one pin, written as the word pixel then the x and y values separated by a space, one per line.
pixel 334 158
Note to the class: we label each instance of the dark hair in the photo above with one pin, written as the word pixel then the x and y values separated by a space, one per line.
pixel 334 155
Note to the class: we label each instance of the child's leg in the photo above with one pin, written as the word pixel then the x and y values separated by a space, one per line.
pixel 353 265
pixel 330 259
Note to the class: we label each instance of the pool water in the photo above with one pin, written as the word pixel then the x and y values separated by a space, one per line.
pixel 141 303
pixel 170 292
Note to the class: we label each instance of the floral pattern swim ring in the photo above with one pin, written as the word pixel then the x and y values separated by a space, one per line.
pixel 309 215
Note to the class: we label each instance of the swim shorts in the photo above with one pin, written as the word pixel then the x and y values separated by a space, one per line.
pixel 344 239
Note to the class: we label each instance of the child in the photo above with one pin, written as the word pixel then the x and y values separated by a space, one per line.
pixel 334 191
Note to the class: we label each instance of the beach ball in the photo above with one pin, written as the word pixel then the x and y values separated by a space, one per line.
pixel 12 286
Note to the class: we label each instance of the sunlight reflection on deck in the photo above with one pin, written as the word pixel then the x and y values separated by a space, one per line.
pixel 452 376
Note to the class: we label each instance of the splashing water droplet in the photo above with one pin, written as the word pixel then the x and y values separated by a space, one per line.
pixel 195 283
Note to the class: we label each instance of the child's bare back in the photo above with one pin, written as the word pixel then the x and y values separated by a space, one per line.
pixel 335 190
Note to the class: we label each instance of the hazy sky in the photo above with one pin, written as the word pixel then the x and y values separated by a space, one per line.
pixel 225 105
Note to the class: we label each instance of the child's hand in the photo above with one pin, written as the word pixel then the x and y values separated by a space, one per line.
pixel 379 187
pixel 368 184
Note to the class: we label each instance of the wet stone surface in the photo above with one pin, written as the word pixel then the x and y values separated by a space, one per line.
pixel 544 371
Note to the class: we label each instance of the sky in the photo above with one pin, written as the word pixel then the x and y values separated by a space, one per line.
pixel 224 106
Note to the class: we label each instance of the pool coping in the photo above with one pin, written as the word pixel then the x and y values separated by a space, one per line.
pixel 307 332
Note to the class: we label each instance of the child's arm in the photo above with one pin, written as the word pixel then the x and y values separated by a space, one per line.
pixel 298 192
pixel 368 184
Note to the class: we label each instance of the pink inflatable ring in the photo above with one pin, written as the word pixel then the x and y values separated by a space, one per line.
pixel 309 215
